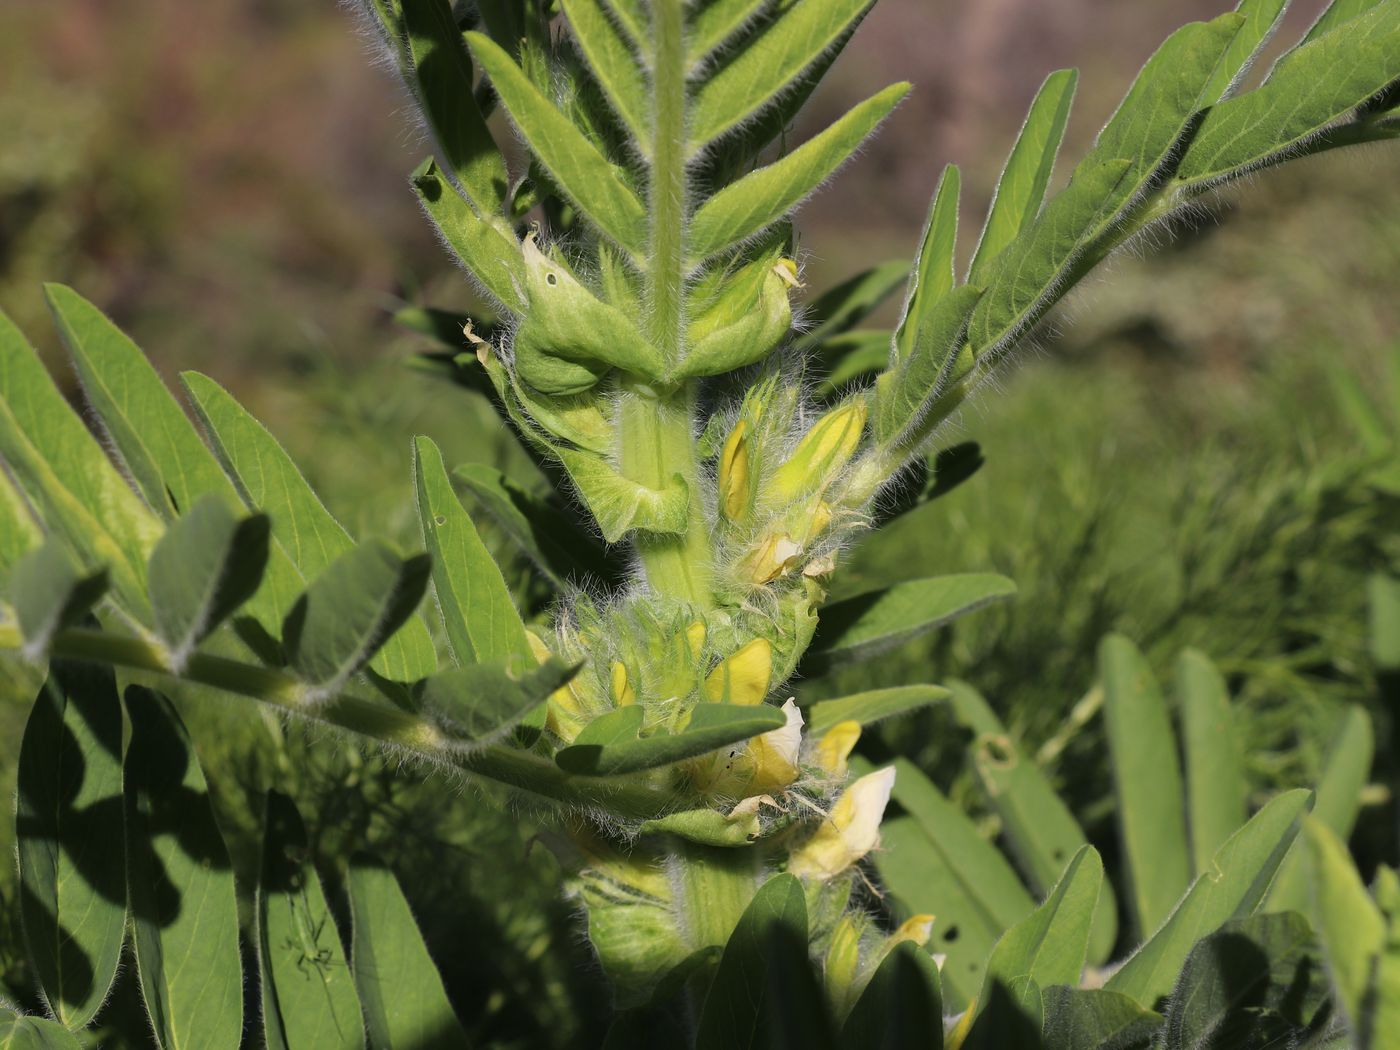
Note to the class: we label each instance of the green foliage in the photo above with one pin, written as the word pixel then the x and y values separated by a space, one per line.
pixel 643 352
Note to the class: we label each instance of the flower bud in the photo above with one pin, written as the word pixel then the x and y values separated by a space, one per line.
pixel 825 449
pixel 734 473
pixel 835 747
pixel 849 832
pixel 695 639
pixel 744 677
pixel 622 692
pixel 741 325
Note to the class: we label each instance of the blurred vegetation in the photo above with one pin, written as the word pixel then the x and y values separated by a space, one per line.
pixel 228 181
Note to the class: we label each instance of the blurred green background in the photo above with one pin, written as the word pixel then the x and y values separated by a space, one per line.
pixel 1205 456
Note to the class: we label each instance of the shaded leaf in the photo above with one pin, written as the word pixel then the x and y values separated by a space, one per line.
pixel 183 903
pixel 49 593
pixel 872 706
pixel 481 701
pixel 1216 792
pixel 844 305
pixel 69 828
pixel 1095 1019
pixel 400 989
pixel 902 1006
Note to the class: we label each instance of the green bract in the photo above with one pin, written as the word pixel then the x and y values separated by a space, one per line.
pixel 724 438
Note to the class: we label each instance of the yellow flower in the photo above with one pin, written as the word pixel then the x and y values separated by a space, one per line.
pixel 836 745
pixel 774 754
pixel 771 559
pixel 695 639
pixel 744 677
pixel 622 692
pixel 734 473
pixel 850 831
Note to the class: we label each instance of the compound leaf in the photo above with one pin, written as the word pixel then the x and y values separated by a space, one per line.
pixel 614 66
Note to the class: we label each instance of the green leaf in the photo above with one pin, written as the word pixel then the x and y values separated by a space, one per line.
pixel 1159 108
pixel 610 744
pixel 1233 887
pixel 1261 18
pixel 1308 90
pixel 1049 945
pixel 1095 1019
pixel 485 246
pixel 556 545
pixel 779 52
pixel 713 23
pixel 748 206
pixel 270 482
pixel 1254 983
pixel 481 701
pixel 584 175
pixel 738 1011
pixel 1011 1016
pixel 905 394
pixel 21 1032
pixel 1020 191
pixel 872 706
pixel 859 628
pixel 49 594
pixel 1029 274
pixel 902 1006
pixel 204 568
pixel 308 990
pixel 619 504
pixel 69 828
pixel 1345 771
pixel 478 612
pixel 64 471
pixel 1040 830
pixel 1383 620
pixel 1147 781
pixel 442 80
pixel 933 275
pixel 849 356
pixel 183 902
pixel 614 67
pixel 1351 927
pixel 839 308
pixel 350 610
pixel 1216 792
pixel 1333 16
pixel 404 1001
pixel 934 862
pixel 161 448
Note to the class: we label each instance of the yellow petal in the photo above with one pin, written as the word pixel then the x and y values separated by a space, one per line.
pixel 850 831
pixel 916 928
pixel 773 557
pixel 734 473
pixel 774 754
pixel 743 678
pixel 836 745
pixel 695 638
pixel 622 692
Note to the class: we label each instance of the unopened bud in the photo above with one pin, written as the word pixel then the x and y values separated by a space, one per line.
pixel 825 449
pixel 622 692
pixel 836 745
pixel 734 473
pixel 744 677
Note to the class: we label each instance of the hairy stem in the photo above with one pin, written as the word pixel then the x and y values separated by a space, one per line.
pixel 657 428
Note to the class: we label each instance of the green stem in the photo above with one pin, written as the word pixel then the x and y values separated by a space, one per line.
pixel 364 716
pixel 657 428
pixel 713 886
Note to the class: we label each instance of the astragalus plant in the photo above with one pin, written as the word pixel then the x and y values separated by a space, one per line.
pixel 652 348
